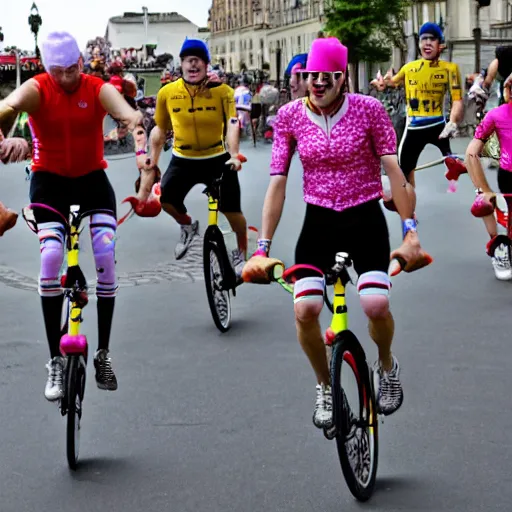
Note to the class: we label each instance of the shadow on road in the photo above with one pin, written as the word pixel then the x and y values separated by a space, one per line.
pixel 95 466
pixel 402 493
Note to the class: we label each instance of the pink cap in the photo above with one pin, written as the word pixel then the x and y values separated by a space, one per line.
pixel 327 54
pixel 296 68
pixel 60 49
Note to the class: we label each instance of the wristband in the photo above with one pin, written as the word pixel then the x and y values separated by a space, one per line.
pixel 264 245
pixel 141 152
pixel 408 225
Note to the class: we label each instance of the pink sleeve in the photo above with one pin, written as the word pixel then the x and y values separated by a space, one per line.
pixel 382 132
pixel 283 146
pixel 485 129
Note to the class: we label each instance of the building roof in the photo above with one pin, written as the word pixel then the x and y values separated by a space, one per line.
pixel 153 17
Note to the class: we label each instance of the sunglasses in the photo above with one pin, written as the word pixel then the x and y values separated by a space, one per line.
pixel 328 76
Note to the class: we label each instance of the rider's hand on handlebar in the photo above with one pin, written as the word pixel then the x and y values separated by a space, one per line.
pixel 235 163
pixel 411 254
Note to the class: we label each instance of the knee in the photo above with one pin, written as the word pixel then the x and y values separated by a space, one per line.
pixel 373 288
pixel 51 240
pixel 308 299
pixel 103 232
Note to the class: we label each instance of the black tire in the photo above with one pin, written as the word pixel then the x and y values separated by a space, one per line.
pixel 74 396
pixel 214 277
pixel 357 441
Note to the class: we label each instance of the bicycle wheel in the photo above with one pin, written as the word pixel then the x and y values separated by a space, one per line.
pixel 214 277
pixel 74 395
pixel 356 425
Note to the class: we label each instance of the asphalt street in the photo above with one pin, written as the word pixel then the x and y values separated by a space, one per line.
pixel 206 422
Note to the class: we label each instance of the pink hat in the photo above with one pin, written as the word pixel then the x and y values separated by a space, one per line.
pixel 327 54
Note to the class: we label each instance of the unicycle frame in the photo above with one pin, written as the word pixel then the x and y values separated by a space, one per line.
pixel 73 344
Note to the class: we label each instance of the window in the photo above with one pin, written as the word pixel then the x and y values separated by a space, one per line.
pixel 250 44
pixel 509 10
pixel 423 11
pixel 299 46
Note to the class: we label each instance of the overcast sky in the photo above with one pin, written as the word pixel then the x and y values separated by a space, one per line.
pixel 85 22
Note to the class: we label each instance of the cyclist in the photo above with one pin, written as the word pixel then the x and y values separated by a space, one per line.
pixel 298 86
pixel 427 81
pixel 499 68
pixel 498 120
pixel 199 112
pixel 342 140
pixel 66 110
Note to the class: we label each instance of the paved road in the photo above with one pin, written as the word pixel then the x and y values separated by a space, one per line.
pixel 215 423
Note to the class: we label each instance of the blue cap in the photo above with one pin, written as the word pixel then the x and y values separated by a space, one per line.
pixel 298 59
pixel 195 48
pixel 433 29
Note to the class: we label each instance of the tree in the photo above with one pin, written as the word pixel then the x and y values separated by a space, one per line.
pixel 368 28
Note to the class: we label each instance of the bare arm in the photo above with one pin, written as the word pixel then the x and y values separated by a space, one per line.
pixel 114 103
pixel 457 112
pixel 492 72
pixel 474 165
pixel 24 99
pixel 399 187
pixel 233 137
pixel 157 141
pixel 273 206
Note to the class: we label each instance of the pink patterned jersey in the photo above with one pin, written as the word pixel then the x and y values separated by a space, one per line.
pixel 499 120
pixel 340 154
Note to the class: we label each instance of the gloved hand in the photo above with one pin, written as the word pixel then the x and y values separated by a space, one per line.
pixel 484 204
pixel 450 130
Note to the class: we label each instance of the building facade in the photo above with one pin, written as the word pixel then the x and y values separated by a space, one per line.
pixel 248 33
pixel 166 31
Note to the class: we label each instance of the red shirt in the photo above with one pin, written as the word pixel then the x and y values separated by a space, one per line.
pixel 67 129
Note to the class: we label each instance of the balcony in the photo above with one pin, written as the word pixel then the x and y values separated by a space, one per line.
pixel 502 30
pixel 291 16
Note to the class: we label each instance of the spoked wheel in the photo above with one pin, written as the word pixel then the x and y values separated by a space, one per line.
pixel 355 415
pixel 74 394
pixel 218 295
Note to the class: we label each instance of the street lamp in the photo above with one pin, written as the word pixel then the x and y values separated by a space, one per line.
pixel 35 21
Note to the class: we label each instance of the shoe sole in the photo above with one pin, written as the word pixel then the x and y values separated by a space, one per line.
pixel 105 388
pixel 380 411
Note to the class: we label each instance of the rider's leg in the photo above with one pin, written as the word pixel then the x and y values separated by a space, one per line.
pixel 96 192
pixel 371 262
pixel 49 189
pixel 181 175
pixel 230 204
pixel 411 146
pixel 51 238
pixel 317 245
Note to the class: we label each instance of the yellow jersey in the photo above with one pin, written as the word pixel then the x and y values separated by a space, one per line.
pixel 426 84
pixel 197 114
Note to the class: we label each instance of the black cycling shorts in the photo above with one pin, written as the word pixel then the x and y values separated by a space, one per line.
pixel 184 173
pixel 505 181
pixel 92 192
pixel 414 142
pixel 360 231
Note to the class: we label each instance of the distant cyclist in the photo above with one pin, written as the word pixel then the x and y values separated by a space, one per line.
pixel 342 140
pixel 499 121
pixel 202 116
pixel 426 82
pixel 66 110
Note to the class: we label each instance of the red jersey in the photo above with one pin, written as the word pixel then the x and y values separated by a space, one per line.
pixel 67 129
